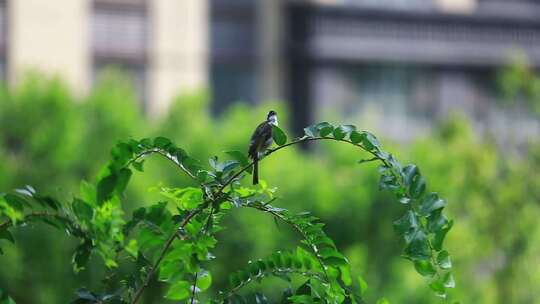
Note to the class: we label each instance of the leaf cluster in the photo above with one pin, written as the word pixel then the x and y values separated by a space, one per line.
pixel 172 240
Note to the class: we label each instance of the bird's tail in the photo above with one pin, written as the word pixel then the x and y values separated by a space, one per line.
pixel 255 171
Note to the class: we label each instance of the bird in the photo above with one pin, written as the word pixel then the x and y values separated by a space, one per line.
pixel 261 140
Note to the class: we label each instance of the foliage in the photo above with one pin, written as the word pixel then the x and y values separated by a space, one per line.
pixel 176 245
pixel 493 193
pixel 518 82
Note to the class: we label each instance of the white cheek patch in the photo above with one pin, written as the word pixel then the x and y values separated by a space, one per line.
pixel 273 120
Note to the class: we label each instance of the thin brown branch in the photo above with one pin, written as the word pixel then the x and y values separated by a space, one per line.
pixel 307 274
pixel 163 252
pixel 205 231
pixel 164 154
pixel 279 216
pixel 33 215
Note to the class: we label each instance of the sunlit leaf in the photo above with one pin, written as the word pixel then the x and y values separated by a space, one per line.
pixel 179 290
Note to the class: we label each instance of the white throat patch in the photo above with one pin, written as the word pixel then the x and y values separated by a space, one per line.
pixel 273 120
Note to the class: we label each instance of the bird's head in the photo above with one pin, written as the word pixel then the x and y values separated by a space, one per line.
pixel 272 118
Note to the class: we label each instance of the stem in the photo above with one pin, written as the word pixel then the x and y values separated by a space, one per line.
pixel 162 254
pixel 279 216
pixel 192 299
pixel 307 274
pixel 165 155
pixel 36 214
pixel 206 228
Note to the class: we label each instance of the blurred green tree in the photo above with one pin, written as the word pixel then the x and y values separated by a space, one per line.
pixel 493 196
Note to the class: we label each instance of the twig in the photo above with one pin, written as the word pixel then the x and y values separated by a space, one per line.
pixel 279 216
pixel 192 299
pixel 206 228
pixel 308 274
pixel 162 254
pixel 166 155
pixel 36 214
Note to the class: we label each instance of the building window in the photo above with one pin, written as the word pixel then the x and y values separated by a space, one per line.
pixel 233 44
pixel 398 100
pixel 119 40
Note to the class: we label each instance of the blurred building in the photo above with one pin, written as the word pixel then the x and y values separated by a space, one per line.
pixel 161 44
pixel 404 61
pixel 400 64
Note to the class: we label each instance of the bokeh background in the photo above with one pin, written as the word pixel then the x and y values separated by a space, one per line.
pixel 448 84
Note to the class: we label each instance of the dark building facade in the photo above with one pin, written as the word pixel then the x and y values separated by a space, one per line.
pixel 398 65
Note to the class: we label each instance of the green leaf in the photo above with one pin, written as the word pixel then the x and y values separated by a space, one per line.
pixel 440 236
pixel 243 275
pixel 190 197
pixel 425 268
pixel 339 133
pixel 192 164
pixel 406 223
pixel 204 280
pixel 105 188
pixel 47 201
pixel 443 259
pixel 234 279
pixel 367 160
pixel 409 172
pixel 228 165
pixel 213 161
pixel 279 136
pixel 27 190
pixel 162 142
pixel 370 142
pixel 138 165
pixel 388 182
pixel 448 280
pixel 202 176
pixel 81 255
pixel 180 154
pixel 123 179
pixel 431 203
pixel 311 131
pixel 16 202
pixel 7 210
pixel 239 156
pixel 121 153
pixel 417 187
pixel 88 192
pixel 179 290
pixel 413 180
pixel 355 137
pixel 418 248
pixel 255 268
pixel 362 285
pixel 438 287
pixel 325 129
pixel 347 129
pixel 383 301
pixel 82 210
pixel 332 257
pixel 114 182
pixel 404 200
pixel 322 125
pixel 6 235
pixel 436 221
pixel 146 142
